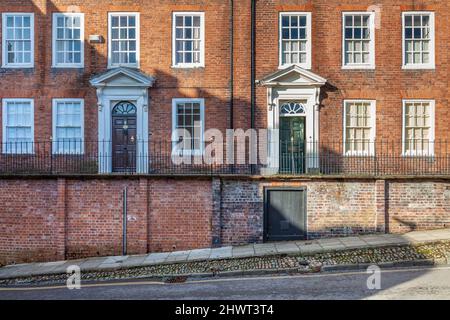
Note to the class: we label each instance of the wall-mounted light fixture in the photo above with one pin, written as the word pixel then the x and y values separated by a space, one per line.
pixel 95 38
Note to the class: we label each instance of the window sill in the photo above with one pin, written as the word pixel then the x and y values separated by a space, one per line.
pixel 418 67
pixel 131 66
pixel 67 66
pixel 359 155
pixel 196 66
pixel 18 153
pixel 177 154
pixel 412 155
pixel 8 66
pixel 358 67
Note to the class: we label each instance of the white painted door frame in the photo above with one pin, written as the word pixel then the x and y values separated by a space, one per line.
pixel 107 101
pixel 277 95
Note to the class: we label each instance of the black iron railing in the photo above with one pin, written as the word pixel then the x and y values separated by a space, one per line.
pixel 428 158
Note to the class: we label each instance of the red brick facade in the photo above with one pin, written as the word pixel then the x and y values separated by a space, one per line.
pixel 388 84
pixel 57 218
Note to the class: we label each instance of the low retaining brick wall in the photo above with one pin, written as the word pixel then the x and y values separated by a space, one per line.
pixel 44 219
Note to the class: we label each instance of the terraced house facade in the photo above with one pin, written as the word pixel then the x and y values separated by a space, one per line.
pixel 344 102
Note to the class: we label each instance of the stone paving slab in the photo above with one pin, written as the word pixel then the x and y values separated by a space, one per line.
pixel 251 250
pixel 134 261
pixel 155 258
pixel 312 248
pixel 177 256
pixel 243 251
pixel 288 247
pixel 221 253
pixel 199 254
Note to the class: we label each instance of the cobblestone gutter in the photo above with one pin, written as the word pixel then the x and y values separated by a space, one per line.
pixel 439 252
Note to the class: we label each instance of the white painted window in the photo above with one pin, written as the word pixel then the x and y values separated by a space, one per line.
pixel 18 40
pixel 418 127
pixel 188 45
pixel 188 123
pixel 124 39
pixel 68 126
pixel 358 40
pixel 18 126
pixel 418 40
pixel 68 40
pixel 295 39
pixel 359 127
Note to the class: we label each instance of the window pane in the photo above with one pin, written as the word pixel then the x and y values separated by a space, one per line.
pixel 417 20
pixel 408 33
pixel 131 21
pixel 294 33
pixel 348 21
pixel 408 21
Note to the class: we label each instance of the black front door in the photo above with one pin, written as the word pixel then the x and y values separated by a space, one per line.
pixel 285 214
pixel 292 145
pixel 124 138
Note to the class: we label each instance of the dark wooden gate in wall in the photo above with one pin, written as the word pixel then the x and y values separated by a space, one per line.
pixel 285 214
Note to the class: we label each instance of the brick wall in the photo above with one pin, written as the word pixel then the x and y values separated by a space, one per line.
pixel 418 205
pixel 53 219
pixel 333 208
pixel 180 214
pixel 30 222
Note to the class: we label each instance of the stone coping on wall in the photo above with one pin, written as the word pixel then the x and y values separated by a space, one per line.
pixel 225 177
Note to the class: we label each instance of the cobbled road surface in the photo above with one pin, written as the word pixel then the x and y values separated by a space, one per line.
pixel 411 283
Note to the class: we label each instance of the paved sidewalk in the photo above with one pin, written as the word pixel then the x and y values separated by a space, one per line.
pixel 253 250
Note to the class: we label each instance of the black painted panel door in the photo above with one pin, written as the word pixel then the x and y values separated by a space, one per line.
pixel 124 143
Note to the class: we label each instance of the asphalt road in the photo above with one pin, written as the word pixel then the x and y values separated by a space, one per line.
pixel 413 283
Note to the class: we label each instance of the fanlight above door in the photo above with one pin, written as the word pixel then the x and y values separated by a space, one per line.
pixel 124 108
pixel 293 109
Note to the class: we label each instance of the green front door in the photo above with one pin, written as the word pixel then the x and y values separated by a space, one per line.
pixel 292 145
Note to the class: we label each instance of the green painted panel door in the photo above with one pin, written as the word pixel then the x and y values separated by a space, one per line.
pixel 292 145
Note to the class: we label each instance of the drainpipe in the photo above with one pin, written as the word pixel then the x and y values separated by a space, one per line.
pixel 231 64
pixel 125 220
pixel 253 71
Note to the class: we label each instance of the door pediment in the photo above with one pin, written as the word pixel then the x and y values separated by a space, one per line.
pixel 292 76
pixel 123 77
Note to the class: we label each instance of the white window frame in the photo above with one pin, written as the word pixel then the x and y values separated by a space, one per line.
pixel 432 103
pixel 4 123
pixel 431 64
pixel 371 64
pixel 5 63
pixel 373 130
pixel 201 64
pixel 201 101
pixel 308 63
pixel 54 121
pixel 138 40
pixel 55 64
